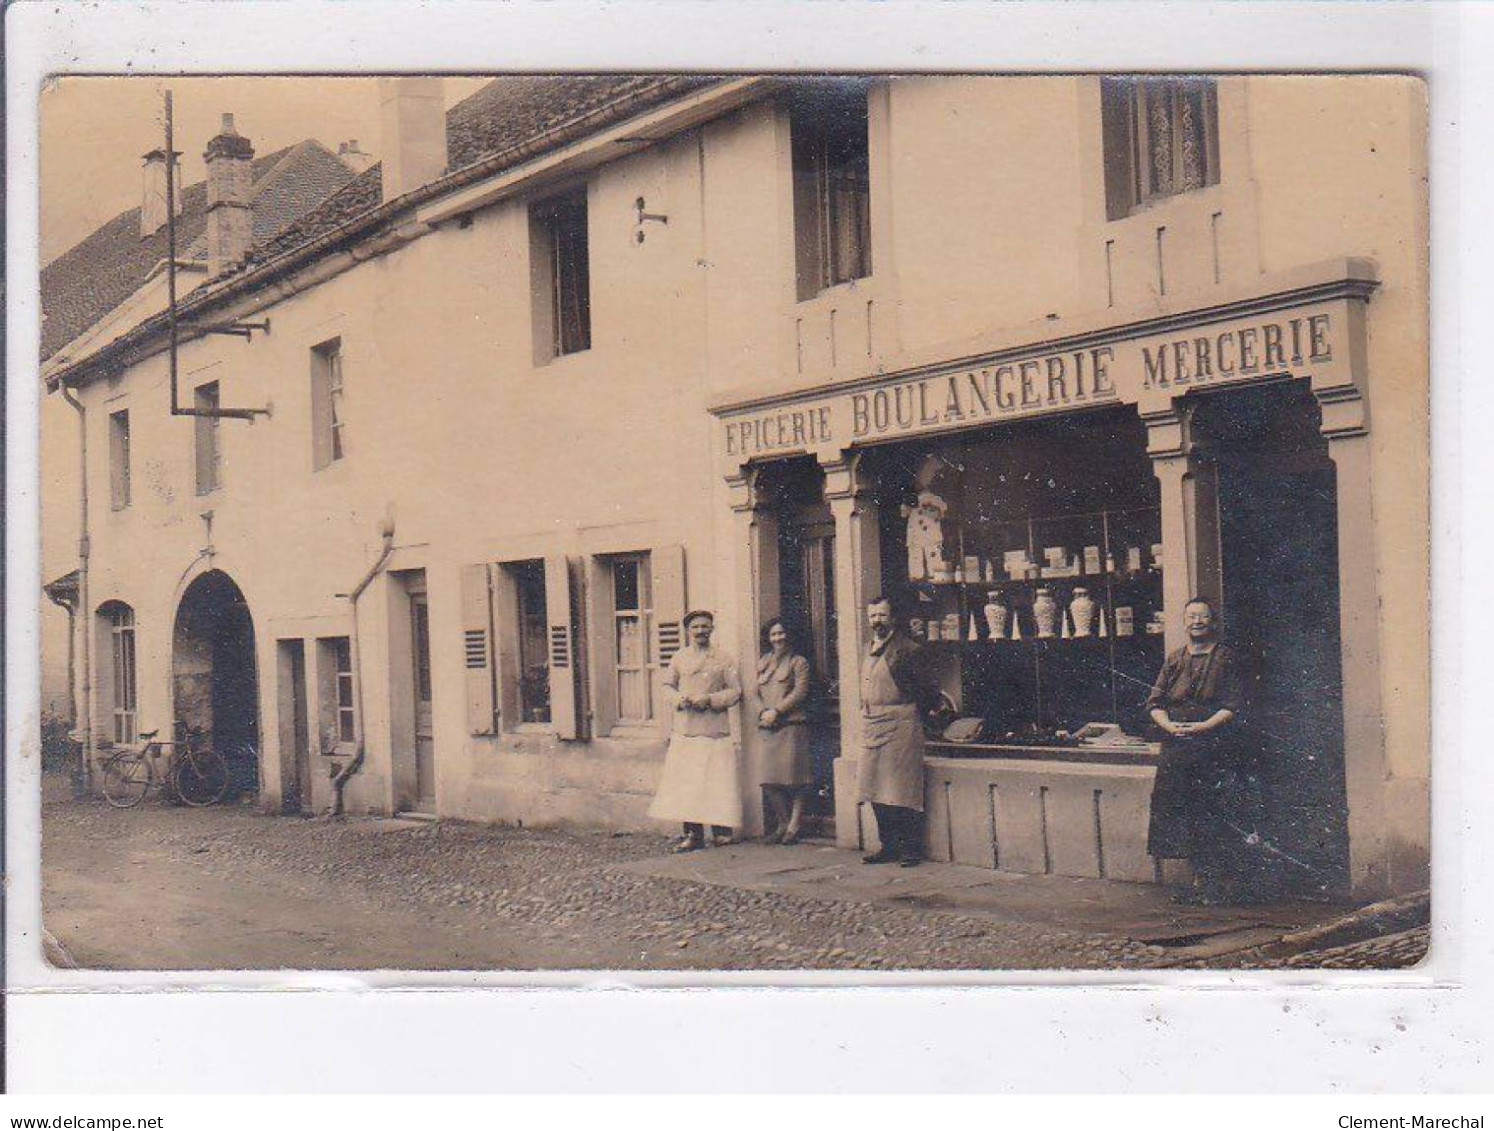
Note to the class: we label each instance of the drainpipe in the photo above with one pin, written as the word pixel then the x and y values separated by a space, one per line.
pixel 339 783
pixel 83 779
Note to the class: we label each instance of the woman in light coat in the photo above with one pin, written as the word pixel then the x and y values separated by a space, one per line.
pixel 699 785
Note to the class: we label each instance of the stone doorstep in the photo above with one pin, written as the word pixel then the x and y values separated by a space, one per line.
pixel 1140 912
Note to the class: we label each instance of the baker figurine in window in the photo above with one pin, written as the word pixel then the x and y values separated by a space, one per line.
pixel 925 536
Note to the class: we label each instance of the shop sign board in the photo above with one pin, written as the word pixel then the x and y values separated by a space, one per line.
pixel 1040 380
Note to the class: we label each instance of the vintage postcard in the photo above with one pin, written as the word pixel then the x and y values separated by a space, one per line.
pixel 756 522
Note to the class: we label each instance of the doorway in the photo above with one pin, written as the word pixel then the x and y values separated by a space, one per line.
pixel 1278 535
pixel 806 581
pixel 215 683
pixel 420 691
pixel 295 729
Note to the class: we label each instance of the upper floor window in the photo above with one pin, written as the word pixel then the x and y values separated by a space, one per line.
pixel 209 455
pixel 832 187
pixel 119 459
pixel 328 437
pixel 1161 138
pixel 561 273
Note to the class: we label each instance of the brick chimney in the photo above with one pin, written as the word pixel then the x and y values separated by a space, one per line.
pixel 153 192
pixel 230 220
pixel 412 128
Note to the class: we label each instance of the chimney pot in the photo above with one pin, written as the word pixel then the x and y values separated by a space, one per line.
pixel 153 192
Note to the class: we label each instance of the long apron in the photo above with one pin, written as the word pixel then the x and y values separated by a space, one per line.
pixel 1205 798
pixel 891 769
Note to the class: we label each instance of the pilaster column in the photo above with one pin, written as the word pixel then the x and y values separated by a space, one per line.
pixel 1366 767
pixel 755 537
pixel 1169 445
pixel 858 578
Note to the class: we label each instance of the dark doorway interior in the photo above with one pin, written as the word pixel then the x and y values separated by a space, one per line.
pixel 1278 521
pixel 806 581
pixel 215 684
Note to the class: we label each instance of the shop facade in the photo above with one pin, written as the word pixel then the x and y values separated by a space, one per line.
pixel 1041 513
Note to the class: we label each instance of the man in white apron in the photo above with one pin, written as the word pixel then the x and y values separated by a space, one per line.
pixel 891 771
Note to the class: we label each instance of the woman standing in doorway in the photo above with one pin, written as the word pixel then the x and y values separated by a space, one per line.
pixel 783 731
pixel 699 785
pixel 1205 802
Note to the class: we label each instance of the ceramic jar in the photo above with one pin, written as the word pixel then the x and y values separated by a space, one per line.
pixel 1082 612
pixel 1045 613
pixel 997 615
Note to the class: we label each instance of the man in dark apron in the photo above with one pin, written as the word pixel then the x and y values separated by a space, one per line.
pixel 890 774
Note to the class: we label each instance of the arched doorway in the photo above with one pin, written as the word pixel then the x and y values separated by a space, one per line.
pixel 215 685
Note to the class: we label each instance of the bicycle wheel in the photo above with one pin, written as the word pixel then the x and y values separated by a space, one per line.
pixel 127 779
pixel 201 778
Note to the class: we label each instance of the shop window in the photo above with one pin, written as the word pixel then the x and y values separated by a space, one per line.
pixel 1161 138
pixel 209 454
pixel 119 459
pixel 561 276
pixel 531 622
pixel 119 622
pixel 1029 560
pixel 632 638
pixel 338 707
pixel 832 187
pixel 328 435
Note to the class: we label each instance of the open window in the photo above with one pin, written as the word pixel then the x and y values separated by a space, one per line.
pixel 209 454
pixel 534 669
pixel 337 707
pixel 1160 137
pixel 119 459
pixel 560 275
pixel 328 426
pixel 832 186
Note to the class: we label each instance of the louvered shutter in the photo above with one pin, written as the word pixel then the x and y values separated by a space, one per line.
pixel 563 642
pixel 477 651
pixel 668 566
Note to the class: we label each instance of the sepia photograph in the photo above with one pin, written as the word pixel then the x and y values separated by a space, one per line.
pixel 748 522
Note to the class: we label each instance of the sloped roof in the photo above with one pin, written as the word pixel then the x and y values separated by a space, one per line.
pixel 509 121
pixel 510 113
pixel 90 279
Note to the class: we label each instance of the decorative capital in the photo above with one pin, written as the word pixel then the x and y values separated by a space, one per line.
pixel 844 477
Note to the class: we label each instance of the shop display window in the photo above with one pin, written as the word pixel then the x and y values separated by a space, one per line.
pixel 1028 560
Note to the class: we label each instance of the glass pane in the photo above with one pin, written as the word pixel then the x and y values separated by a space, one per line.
pixel 1157 97
pixel 632 652
pixel 632 695
pixel 534 660
pixel 625 585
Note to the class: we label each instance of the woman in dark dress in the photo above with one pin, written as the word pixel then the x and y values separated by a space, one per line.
pixel 1206 800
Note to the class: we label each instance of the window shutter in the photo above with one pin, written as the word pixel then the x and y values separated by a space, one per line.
pixel 668 565
pixel 477 651
pixel 563 643
pixel 1117 99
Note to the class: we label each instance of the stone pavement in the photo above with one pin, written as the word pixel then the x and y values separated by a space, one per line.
pixel 1138 912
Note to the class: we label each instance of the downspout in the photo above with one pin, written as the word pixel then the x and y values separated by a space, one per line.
pixel 339 783
pixel 83 778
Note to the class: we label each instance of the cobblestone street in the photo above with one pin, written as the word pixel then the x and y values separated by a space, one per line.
pixel 167 888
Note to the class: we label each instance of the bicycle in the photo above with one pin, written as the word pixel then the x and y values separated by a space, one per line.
pixel 195 775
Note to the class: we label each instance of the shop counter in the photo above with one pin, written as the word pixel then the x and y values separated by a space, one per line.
pixel 1066 811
